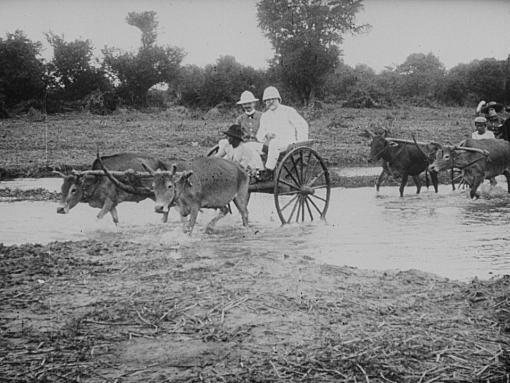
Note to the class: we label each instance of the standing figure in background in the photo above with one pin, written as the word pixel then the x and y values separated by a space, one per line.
pixel 495 123
pixel 481 131
pixel 280 126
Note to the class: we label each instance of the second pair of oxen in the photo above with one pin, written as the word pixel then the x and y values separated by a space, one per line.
pixel 403 157
pixel 477 159
pixel 207 182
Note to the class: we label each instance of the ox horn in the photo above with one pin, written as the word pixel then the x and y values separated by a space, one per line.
pixel 121 185
pixel 58 173
pixel 474 150
pixel 369 133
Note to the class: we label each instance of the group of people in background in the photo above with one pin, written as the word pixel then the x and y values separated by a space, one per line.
pixel 489 123
pixel 255 133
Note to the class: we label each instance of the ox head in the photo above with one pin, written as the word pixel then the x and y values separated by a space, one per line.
pixel 75 188
pixel 449 156
pixel 168 186
pixel 379 144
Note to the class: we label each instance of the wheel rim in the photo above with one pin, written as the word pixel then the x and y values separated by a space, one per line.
pixel 302 187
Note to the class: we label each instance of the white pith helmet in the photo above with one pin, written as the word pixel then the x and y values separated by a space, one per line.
pixel 246 98
pixel 271 92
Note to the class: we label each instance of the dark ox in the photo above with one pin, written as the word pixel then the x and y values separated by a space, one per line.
pixel 208 182
pixel 477 159
pixel 94 188
pixel 404 158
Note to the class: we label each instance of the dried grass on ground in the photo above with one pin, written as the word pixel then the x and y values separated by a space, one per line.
pixel 121 312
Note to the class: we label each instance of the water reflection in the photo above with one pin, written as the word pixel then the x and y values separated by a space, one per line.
pixel 444 233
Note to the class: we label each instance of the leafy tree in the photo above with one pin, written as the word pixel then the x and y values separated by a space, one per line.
pixel 305 35
pixel 188 87
pixel 151 65
pixel 486 79
pixel 221 83
pixel 455 90
pixel 421 76
pixel 22 73
pixel 75 77
pixel 506 69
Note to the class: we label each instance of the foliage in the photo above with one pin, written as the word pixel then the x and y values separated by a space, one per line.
pixel 147 23
pixel 22 73
pixel 305 35
pixel 71 69
pixel 216 84
pixel 151 65
pixel 420 76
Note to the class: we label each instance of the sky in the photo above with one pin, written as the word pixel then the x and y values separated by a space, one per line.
pixel 455 31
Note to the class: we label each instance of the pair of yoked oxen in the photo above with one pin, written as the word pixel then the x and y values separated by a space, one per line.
pixel 206 182
pixel 209 182
pixel 476 159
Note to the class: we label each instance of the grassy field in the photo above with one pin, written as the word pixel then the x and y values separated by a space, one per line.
pixel 30 148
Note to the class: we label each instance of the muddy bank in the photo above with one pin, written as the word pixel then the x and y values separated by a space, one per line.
pixel 118 311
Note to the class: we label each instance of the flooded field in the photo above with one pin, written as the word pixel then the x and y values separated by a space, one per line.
pixel 444 233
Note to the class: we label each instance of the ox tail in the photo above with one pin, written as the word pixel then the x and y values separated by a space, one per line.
pixel 123 186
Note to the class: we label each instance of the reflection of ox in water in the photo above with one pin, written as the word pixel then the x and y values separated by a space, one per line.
pixel 407 158
pixel 94 188
pixel 208 182
pixel 477 159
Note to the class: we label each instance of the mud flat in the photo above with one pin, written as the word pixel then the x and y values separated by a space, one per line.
pixel 117 311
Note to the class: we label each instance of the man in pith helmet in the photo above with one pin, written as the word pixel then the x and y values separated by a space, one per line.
pixel 280 126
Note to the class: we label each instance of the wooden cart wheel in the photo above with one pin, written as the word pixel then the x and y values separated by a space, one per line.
pixel 302 186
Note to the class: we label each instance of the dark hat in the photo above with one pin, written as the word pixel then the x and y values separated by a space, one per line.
pixel 492 105
pixel 235 131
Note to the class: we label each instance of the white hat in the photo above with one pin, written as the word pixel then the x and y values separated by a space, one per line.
pixel 271 92
pixel 247 97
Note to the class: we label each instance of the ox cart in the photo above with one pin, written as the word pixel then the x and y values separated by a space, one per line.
pixel 300 185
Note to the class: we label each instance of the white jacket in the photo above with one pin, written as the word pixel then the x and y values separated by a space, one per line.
pixel 286 123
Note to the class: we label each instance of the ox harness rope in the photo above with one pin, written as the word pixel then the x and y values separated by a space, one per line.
pixel 462 168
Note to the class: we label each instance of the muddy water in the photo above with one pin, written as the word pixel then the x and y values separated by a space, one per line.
pixel 444 233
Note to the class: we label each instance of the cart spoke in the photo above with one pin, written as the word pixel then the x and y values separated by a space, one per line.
pixel 316 196
pixel 295 187
pixel 302 167
pixel 314 205
pixel 311 168
pixel 292 212
pixel 300 205
pixel 289 193
pixel 289 202
pixel 291 176
pixel 305 176
pixel 294 167
pixel 322 173
pixel 308 208
pixel 319 186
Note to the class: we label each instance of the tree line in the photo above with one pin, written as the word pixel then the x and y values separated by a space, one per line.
pixel 306 36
